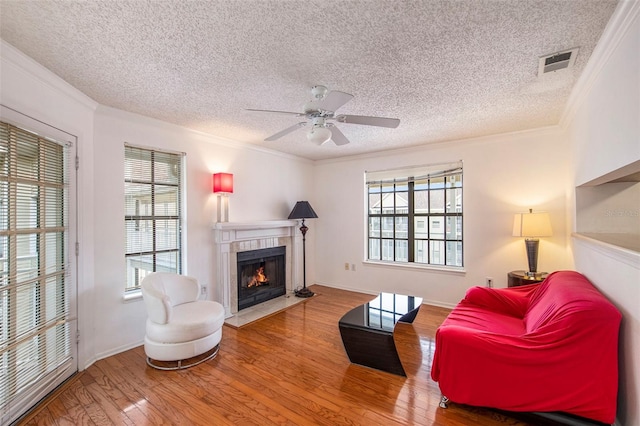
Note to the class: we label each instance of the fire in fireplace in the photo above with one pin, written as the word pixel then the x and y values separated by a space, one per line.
pixel 261 275
pixel 259 278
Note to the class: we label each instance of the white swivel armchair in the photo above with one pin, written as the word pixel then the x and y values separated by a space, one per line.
pixel 179 326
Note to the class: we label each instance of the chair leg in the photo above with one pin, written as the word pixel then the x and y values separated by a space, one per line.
pixel 179 363
pixel 443 402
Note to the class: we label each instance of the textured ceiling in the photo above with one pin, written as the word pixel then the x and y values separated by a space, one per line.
pixel 447 69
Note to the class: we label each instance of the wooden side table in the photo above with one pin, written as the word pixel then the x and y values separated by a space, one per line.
pixel 517 278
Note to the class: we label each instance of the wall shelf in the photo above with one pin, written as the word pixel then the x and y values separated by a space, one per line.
pixel 622 247
pixel 607 209
pixel 629 242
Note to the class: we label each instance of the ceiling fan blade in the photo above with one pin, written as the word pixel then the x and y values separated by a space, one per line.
pixel 286 131
pixel 298 114
pixel 338 137
pixel 369 121
pixel 334 100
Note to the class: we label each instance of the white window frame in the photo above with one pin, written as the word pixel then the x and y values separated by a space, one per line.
pixel 133 291
pixel 390 198
pixel 60 371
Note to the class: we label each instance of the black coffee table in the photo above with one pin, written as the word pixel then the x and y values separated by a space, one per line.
pixel 367 330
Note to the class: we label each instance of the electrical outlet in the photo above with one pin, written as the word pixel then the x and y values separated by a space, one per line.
pixel 353 266
pixel 346 266
pixel 488 282
pixel 203 291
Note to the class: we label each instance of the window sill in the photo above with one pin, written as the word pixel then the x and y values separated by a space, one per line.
pixel 131 296
pixel 446 269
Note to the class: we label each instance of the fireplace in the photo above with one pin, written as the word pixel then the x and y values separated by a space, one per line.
pixel 261 275
pixel 234 238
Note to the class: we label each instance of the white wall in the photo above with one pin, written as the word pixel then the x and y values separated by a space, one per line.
pixel 266 186
pixel 606 124
pixel 605 135
pixel 503 175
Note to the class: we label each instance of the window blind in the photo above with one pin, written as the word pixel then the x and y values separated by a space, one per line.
pixel 415 215
pixel 34 306
pixel 153 213
pixel 413 173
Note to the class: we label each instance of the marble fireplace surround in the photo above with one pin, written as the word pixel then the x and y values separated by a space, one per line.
pixel 234 237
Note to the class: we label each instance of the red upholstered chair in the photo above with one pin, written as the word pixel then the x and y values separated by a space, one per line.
pixel 549 347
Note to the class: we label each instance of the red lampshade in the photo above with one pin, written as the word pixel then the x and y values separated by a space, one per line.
pixel 223 182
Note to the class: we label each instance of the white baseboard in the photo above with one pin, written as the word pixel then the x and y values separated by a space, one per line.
pixel 375 293
pixel 112 352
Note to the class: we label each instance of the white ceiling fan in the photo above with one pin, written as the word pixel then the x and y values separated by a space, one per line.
pixel 321 115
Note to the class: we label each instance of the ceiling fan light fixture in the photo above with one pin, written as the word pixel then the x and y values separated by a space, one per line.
pixel 319 91
pixel 320 113
pixel 319 135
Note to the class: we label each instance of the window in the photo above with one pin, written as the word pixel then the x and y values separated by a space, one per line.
pixel 415 215
pixel 153 213
pixel 35 285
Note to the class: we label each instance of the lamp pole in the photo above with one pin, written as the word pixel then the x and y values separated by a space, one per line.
pixel 304 292
pixel 303 210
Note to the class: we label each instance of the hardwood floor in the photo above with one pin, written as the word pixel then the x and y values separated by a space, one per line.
pixel 287 369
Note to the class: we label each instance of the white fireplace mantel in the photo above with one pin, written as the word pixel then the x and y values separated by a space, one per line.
pixel 233 237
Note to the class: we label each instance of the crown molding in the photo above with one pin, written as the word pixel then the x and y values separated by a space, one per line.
pixel 616 30
pixel 203 136
pixel 16 58
pixel 449 143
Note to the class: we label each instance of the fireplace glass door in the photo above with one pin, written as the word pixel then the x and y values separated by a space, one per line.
pixel 261 276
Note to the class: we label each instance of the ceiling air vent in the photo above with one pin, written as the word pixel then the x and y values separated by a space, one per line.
pixel 557 61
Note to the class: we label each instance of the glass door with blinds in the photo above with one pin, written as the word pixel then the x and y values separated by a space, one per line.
pixel 37 296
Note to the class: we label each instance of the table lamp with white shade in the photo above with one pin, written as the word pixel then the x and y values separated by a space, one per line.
pixel 532 226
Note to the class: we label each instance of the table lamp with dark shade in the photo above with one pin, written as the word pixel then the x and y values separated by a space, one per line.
pixel 303 210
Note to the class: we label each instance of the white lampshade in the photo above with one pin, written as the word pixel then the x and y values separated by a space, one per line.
pixel 319 135
pixel 532 225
